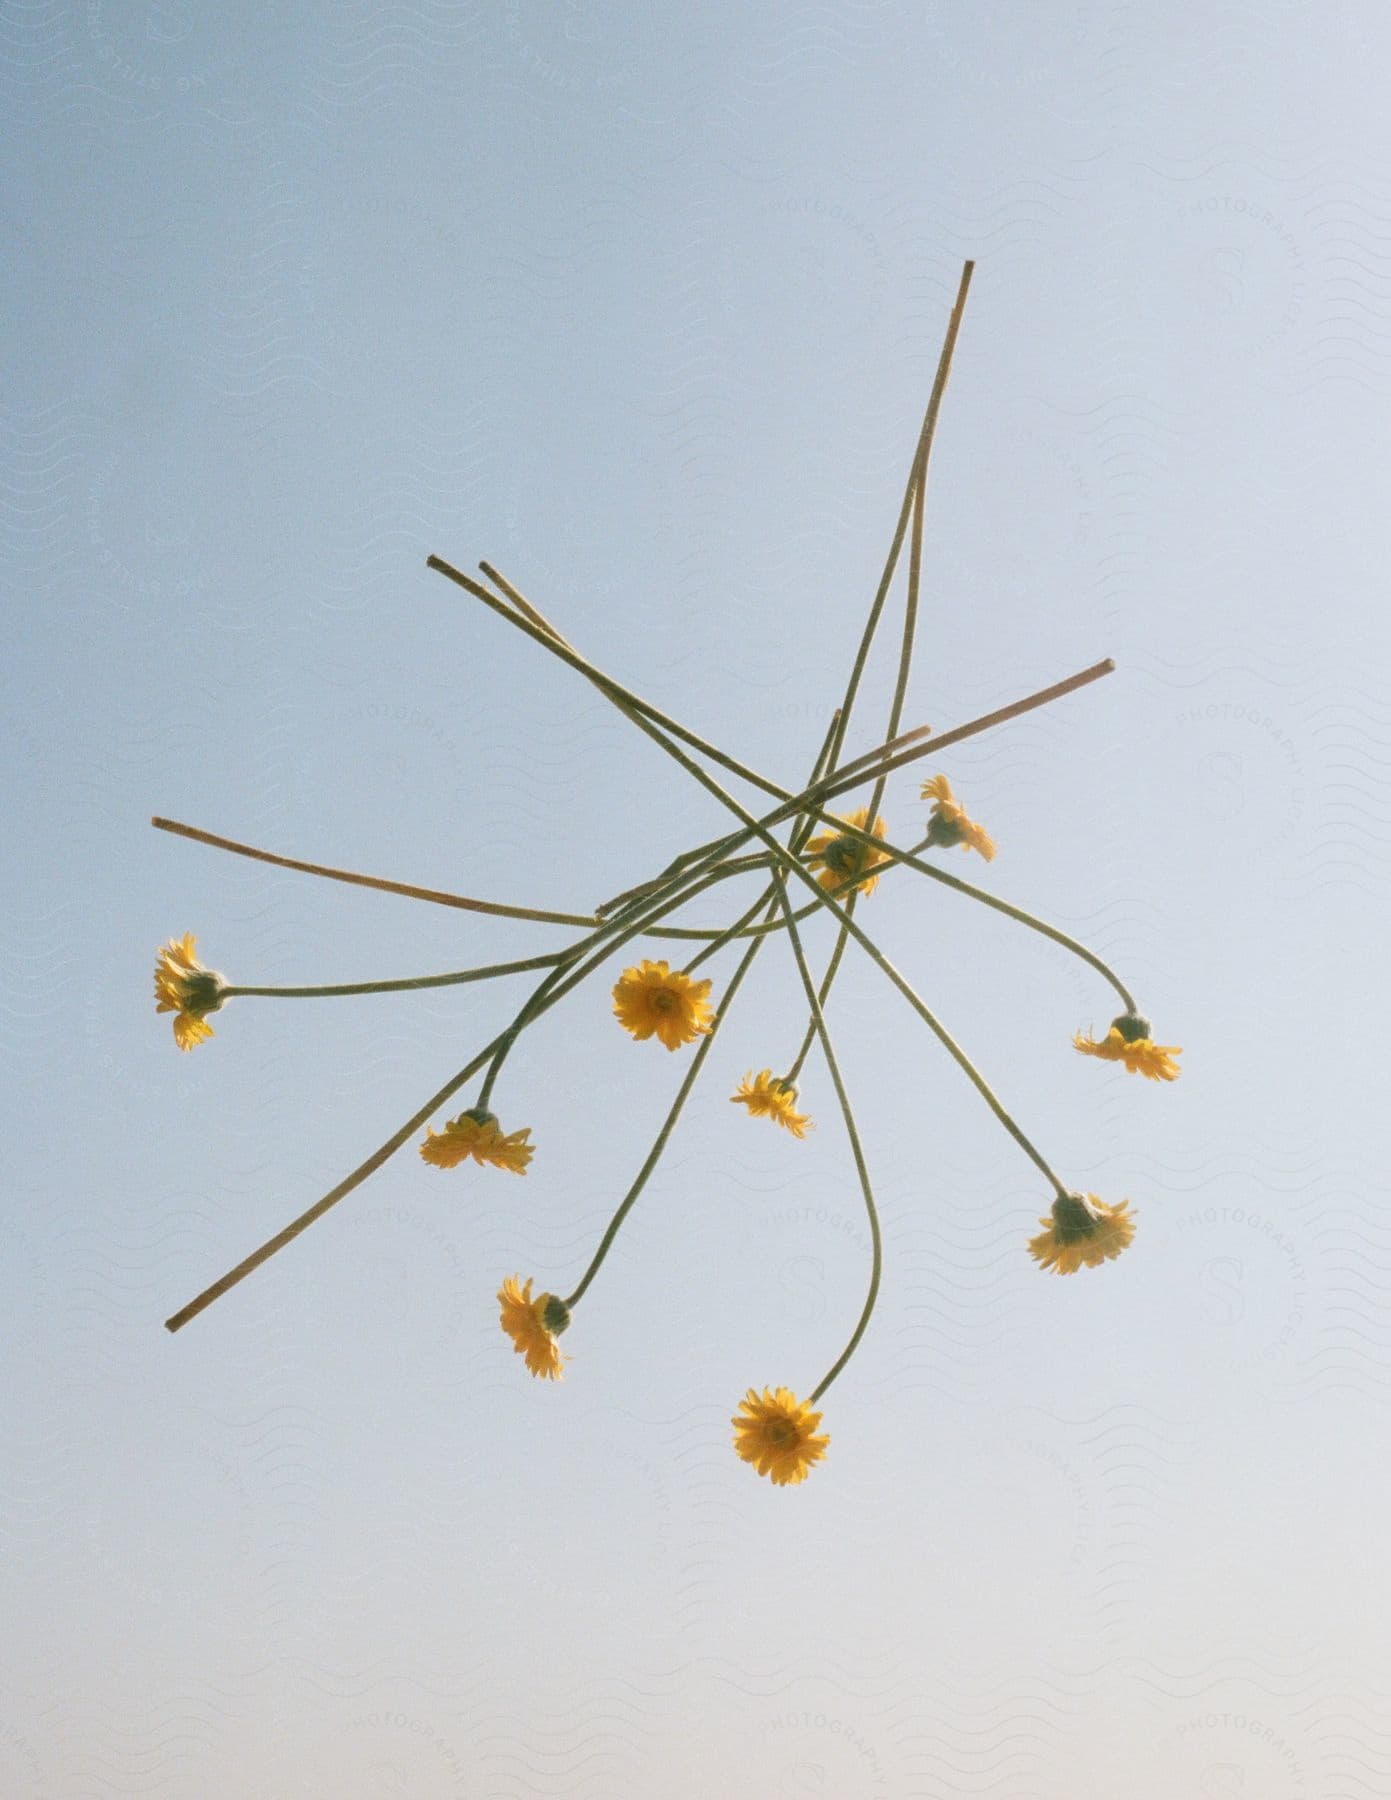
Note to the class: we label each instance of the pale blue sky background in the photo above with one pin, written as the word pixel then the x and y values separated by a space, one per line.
pixel 642 305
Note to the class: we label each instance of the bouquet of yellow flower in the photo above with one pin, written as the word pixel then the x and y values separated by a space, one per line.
pixel 797 847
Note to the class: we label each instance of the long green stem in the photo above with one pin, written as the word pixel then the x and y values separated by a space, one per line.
pixel 683 1093
pixel 760 829
pixel 917 488
pixel 921 450
pixel 827 983
pixel 921 454
pixel 624 698
pixel 799 837
pixel 488 973
pixel 770 900
pixel 875 764
pixel 916 497
pixel 617 930
pixel 436 896
pixel 911 860
pixel 856 1148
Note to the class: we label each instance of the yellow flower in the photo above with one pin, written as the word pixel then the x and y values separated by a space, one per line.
pixel 652 1000
pixel 532 1326
pixel 1082 1229
pixel 477 1134
pixel 841 857
pixel 949 824
pixel 1128 1041
pixel 776 1432
pixel 770 1099
pixel 186 989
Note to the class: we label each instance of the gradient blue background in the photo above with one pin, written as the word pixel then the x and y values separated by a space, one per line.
pixel 642 304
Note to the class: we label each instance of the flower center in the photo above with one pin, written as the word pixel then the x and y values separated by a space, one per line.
pixel 843 855
pixel 781 1433
pixel 664 1001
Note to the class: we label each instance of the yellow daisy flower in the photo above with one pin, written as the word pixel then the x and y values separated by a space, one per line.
pixel 477 1134
pixel 1082 1229
pixel 533 1326
pixel 770 1099
pixel 776 1432
pixel 949 824
pixel 841 857
pixel 652 1000
pixel 186 989
pixel 1128 1041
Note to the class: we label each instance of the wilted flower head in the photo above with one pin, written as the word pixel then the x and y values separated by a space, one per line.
pixel 533 1326
pixel 1082 1229
pixel 477 1134
pixel 1128 1041
pixel 769 1097
pixel 949 824
pixel 186 989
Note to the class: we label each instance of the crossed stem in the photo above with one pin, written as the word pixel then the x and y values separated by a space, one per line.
pixel 645 909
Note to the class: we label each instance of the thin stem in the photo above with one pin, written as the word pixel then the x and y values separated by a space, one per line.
pixel 735 930
pixel 238 992
pixel 522 604
pixel 768 901
pixel 290 1232
pixel 618 929
pixel 827 982
pixel 856 1148
pixel 759 828
pixel 799 836
pixel 437 896
pixel 921 452
pixel 330 1199
pixel 629 1200
pixel 910 860
pixel 920 456
pixel 624 698
pixel 918 486
pixel 886 759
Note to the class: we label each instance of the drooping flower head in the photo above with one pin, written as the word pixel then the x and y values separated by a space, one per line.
pixel 1128 1041
pixel 949 824
pixel 652 1000
pixel 840 857
pixel 477 1134
pixel 534 1326
pixel 1082 1229
pixel 770 1098
pixel 186 989
pixel 776 1432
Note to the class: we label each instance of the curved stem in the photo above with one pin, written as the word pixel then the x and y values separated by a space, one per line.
pixel 760 828
pixel 911 860
pixel 770 901
pixel 683 1093
pixel 856 1149
pixel 827 982
pixel 385 1151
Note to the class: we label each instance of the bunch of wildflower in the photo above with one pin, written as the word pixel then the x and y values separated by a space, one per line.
pixel 807 862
